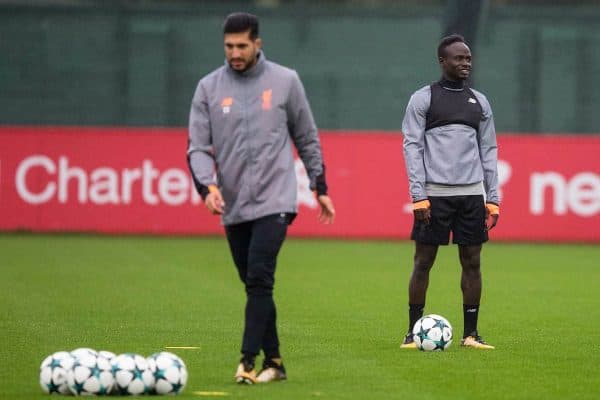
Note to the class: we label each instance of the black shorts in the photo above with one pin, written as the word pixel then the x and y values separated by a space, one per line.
pixel 464 216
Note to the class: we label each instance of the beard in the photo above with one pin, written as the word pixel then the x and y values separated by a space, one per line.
pixel 241 65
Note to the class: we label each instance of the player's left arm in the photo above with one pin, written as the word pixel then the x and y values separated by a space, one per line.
pixel 488 152
pixel 303 131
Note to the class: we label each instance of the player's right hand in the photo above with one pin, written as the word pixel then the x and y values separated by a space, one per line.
pixel 214 200
pixel 422 211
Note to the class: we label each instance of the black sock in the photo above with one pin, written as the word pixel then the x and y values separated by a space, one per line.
pixel 470 313
pixel 249 360
pixel 276 362
pixel 415 311
pixel 272 354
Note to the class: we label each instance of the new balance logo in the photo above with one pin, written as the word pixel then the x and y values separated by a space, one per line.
pixel 472 100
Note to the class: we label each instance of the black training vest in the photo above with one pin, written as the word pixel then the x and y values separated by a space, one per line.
pixel 453 107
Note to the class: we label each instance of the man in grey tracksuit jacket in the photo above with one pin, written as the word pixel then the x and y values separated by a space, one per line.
pixel 244 123
pixel 451 156
pixel 244 118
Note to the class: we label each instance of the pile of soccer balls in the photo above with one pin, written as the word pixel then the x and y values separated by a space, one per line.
pixel 432 333
pixel 89 372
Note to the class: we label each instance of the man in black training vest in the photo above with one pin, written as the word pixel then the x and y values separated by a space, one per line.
pixel 451 160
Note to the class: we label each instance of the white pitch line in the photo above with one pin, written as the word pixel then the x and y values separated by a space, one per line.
pixel 211 393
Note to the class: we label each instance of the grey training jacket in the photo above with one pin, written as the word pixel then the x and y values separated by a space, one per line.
pixel 240 134
pixel 453 154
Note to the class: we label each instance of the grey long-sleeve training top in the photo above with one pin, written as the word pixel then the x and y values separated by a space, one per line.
pixel 450 154
pixel 240 134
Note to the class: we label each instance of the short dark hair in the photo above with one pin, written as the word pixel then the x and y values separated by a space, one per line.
pixel 447 41
pixel 241 22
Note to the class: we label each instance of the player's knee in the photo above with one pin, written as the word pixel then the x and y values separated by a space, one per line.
pixel 471 263
pixel 259 282
pixel 423 263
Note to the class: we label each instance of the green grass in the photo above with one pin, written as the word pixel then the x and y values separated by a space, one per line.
pixel 342 312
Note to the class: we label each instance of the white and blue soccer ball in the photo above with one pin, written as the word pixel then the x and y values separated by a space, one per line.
pixel 432 333
pixel 54 371
pixel 132 374
pixel 170 372
pixel 109 355
pixel 91 375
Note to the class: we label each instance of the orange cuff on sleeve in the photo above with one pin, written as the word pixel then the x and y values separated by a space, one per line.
pixel 212 188
pixel 419 205
pixel 492 209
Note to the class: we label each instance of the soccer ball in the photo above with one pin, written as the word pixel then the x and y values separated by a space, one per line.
pixel 91 375
pixel 132 374
pixel 432 333
pixel 54 370
pixel 109 355
pixel 169 372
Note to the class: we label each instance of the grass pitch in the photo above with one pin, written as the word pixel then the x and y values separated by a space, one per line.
pixel 341 309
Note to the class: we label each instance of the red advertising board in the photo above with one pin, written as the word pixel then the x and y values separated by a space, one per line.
pixel 135 180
